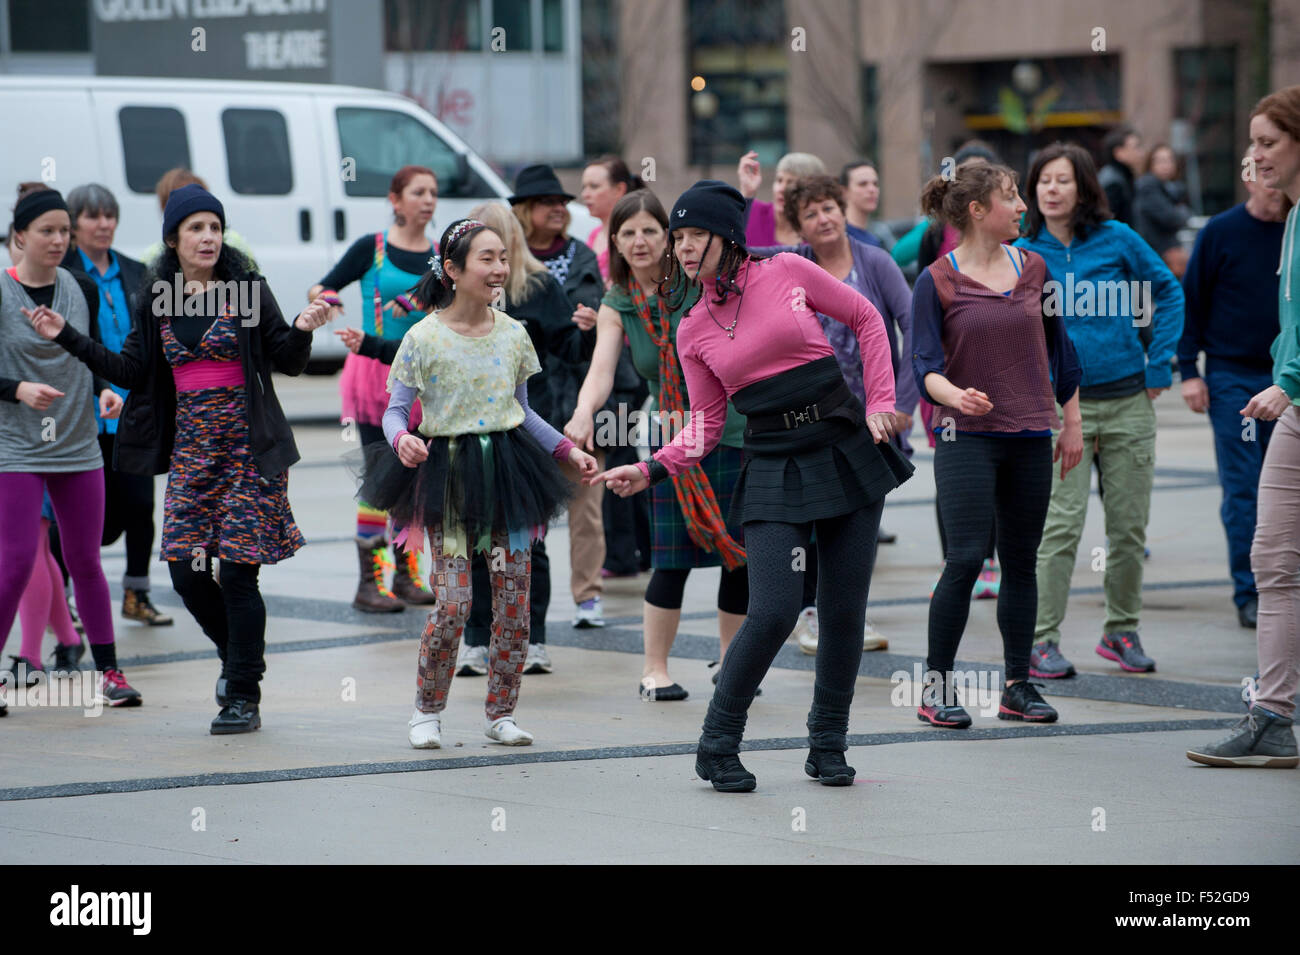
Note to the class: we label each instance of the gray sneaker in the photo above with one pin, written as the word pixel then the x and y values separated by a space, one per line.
pixel 1047 662
pixel 1262 739
pixel 471 661
pixel 1125 648
pixel 538 661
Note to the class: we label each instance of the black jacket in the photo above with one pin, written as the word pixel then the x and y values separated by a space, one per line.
pixel 147 432
pixel 1116 181
pixel 131 277
pixel 1159 211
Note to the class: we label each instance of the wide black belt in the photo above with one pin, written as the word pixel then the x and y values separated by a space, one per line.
pixel 794 418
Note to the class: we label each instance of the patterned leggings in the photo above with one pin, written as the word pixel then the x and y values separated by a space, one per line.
pixel 452 585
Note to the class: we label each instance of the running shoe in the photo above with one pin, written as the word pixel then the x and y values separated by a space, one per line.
pixel 805 631
pixel 538 661
pixel 22 672
pixel 67 658
pixel 505 730
pixel 589 614
pixel 1021 701
pixel 115 691
pixel 1126 649
pixel 988 583
pixel 1047 663
pixel 939 706
pixel 471 661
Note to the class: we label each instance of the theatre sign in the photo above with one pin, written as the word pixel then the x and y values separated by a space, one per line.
pixel 239 39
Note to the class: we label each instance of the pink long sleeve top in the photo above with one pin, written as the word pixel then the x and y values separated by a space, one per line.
pixel 778 330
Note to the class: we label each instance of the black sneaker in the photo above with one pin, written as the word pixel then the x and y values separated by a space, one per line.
pixel 727 773
pixel 115 691
pixel 66 659
pixel 22 672
pixel 237 716
pixel 939 706
pixel 1020 701
pixel 828 767
pixel 1126 649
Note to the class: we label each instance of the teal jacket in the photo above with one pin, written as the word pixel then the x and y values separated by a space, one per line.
pixel 1102 316
pixel 1286 349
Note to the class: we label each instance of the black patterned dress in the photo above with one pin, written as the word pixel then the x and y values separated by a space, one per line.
pixel 216 502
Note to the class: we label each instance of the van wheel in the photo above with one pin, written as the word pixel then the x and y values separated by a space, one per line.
pixel 324 366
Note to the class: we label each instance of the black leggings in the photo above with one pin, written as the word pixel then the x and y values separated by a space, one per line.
pixel 981 482
pixel 668 585
pixel 232 615
pixel 777 558
pixel 943 536
pixel 128 509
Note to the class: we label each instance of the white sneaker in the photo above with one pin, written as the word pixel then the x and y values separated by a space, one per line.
pixel 538 661
pixel 589 614
pixel 425 730
pixel 805 631
pixel 872 640
pixel 505 731
pixel 471 661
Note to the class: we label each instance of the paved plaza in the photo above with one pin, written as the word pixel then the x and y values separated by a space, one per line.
pixel 331 778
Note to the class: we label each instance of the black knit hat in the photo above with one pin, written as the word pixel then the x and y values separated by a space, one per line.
pixel 535 181
pixel 36 204
pixel 187 200
pixel 711 205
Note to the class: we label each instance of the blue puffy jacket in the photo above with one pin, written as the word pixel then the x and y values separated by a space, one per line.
pixel 1109 345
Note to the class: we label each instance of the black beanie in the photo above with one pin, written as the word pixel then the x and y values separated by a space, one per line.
pixel 36 204
pixel 711 205
pixel 187 200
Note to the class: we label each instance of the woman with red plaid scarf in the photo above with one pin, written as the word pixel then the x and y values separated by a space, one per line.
pixel 646 302
pixel 815 459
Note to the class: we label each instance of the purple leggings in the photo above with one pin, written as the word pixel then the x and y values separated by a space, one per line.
pixel 78 500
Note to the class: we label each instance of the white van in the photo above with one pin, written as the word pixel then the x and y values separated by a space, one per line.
pixel 301 169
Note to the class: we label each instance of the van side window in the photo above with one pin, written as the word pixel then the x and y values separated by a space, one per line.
pixel 153 141
pixel 257 152
pixel 378 142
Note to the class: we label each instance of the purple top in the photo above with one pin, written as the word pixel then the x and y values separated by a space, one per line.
pixel 760 228
pixel 399 413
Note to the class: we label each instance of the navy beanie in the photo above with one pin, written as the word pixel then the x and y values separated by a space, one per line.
pixel 186 201
pixel 711 205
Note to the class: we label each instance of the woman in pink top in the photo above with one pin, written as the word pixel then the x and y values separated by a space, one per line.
pixel 604 182
pixel 813 461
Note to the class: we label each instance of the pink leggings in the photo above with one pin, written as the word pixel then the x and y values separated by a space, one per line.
pixel 78 500
pixel 43 604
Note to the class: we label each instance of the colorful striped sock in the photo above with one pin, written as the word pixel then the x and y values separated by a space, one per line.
pixel 370 521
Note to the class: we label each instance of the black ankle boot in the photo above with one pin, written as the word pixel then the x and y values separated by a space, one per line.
pixel 237 716
pixel 725 772
pixel 829 768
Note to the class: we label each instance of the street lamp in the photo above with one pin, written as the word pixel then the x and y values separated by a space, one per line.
pixel 704 104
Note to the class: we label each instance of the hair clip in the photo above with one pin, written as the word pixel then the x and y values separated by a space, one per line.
pixel 435 266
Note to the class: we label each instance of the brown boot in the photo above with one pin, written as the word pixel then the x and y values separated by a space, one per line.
pixel 372 596
pixel 137 606
pixel 407 584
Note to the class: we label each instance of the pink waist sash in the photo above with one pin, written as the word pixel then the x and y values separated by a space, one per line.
pixel 206 373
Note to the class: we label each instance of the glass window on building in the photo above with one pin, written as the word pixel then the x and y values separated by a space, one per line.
pixel 419 26
pixel 153 141
pixel 382 141
pixel 738 48
pixel 600 78
pixel 257 152
pixel 553 26
pixel 49 26
pixel 515 18
pixel 1205 84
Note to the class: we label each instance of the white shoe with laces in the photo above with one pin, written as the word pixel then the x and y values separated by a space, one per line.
pixel 504 730
pixel 471 661
pixel 425 730
pixel 538 661
pixel 872 640
pixel 805 631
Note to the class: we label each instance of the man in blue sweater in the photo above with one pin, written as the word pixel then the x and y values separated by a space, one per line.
pixel 1231 315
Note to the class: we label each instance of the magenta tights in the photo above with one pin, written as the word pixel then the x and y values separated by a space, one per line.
pixel 78 500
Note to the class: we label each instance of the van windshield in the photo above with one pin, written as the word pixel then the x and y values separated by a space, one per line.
pixel 382 141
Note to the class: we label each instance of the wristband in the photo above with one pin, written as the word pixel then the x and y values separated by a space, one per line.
pixel 332 298
pixel 656 471
pixel 406 303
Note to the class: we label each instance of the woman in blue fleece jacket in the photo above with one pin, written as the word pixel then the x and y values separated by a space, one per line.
pixel 1109 286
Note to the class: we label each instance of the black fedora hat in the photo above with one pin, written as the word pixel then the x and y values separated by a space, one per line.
pixel 538 180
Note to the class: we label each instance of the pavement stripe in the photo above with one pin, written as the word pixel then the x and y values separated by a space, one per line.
pixel 157 783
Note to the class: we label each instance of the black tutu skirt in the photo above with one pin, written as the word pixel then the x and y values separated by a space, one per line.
pixel 512 486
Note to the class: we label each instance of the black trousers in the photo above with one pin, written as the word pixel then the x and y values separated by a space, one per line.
pixel 627 523
pixel 128 509
pixel 984 482
pixel 478 630
pixel 232 615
